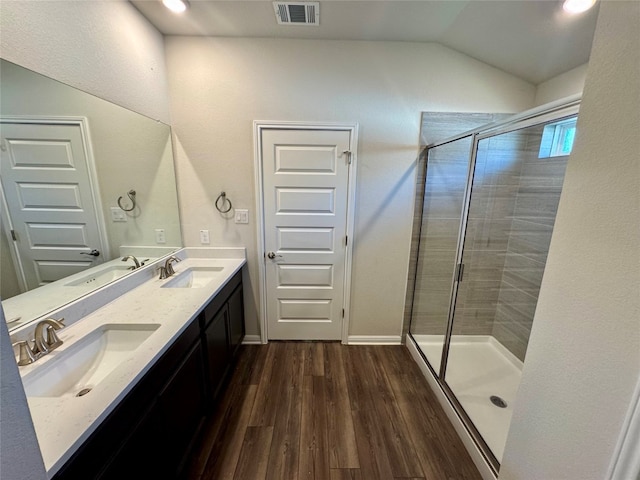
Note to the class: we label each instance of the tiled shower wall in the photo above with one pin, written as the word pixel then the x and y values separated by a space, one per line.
pixel 535 208
pixel 496 177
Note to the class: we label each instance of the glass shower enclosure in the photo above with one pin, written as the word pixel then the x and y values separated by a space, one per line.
pixel 488 210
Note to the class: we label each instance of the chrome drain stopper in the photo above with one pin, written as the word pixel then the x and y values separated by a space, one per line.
pixel 497 401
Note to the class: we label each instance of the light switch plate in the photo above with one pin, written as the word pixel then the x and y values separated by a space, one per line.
pixel 242 215
pixel 160 236
pixel 118 215
pixel 204 237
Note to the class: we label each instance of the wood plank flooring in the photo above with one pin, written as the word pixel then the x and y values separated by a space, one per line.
pixel 326 411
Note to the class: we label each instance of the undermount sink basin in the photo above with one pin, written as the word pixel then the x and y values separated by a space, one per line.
pixel 101 277
pixel 79 368
pixel 194 277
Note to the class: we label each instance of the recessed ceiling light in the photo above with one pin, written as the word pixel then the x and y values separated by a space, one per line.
pixel 176 6
pixel 577 6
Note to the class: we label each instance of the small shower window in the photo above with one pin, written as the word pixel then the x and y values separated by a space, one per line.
pixel 557 139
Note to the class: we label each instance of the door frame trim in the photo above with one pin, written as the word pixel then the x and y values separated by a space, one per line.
pixel 258 127
pixel 94 186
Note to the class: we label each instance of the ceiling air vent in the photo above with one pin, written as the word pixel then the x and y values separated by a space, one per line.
pixel 297 13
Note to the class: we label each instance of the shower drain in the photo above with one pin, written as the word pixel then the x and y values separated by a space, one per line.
pixel 497 401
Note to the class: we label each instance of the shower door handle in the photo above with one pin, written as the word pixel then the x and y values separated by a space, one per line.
pixel 460 272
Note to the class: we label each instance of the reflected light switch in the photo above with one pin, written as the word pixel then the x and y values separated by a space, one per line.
pixel 160 237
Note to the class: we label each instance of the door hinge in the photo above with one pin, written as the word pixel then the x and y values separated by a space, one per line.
pixel 343 313
pixel 460 272
pixel 348 154
pixel 14 236
pixel 346 240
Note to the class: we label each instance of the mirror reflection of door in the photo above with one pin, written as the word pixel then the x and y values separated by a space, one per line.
pixel 51 201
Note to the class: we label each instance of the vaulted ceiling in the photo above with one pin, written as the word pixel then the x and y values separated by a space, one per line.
pixel 532 39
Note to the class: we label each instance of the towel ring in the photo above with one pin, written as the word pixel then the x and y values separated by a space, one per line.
pixel 132 196
pixel 224 198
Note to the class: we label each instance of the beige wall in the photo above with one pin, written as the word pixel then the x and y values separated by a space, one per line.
pixel 104 48
pixel 583 360
pixel 219 86
pixel 564 85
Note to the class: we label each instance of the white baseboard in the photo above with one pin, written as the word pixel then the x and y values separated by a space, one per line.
pixel 374 340
pixel 251 340
pixel 477 457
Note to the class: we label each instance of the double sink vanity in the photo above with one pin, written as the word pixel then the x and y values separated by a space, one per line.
pixel 140 366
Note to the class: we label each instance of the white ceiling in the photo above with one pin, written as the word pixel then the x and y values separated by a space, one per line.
pixel 532 39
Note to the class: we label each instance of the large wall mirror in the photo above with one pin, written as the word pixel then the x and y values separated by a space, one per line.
pixel 70 163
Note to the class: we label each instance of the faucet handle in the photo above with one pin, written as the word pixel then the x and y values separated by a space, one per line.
pixel 163 273
pixel 27 355
pixel 52 341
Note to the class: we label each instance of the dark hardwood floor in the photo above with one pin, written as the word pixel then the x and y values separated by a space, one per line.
pixel 325 411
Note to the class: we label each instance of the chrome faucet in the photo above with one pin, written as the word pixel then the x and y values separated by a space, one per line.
pixel 167 270
pixel 41 345
pixel 135 260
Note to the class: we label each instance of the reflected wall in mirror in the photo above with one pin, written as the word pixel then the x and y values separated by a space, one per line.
pixel 66 158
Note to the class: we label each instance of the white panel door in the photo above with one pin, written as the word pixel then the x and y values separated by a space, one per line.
pixel 45 178
pixel 305 186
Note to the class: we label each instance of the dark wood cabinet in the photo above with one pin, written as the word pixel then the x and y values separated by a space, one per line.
pixel 223 327
pixel 182 407
pixel 141 455
pixel 236 320
pixel 149 434
pixel 216 335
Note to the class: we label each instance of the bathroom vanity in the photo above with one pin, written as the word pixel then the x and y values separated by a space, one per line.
pixel 167 348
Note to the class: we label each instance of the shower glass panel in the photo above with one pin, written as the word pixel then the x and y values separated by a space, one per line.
pixel 514 197
pixel 445 184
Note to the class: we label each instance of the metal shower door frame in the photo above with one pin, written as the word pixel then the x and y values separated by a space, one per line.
pixel 554 111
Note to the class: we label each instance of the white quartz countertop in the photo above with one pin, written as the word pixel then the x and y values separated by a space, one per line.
pixel 62 424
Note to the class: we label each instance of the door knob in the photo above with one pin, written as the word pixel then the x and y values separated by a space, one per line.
pixel 93 253
pixel 272 255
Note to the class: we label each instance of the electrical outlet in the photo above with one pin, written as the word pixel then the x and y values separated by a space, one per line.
pixel 242 215
pixel 160 236
pixel 118 215
pixel 204 237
